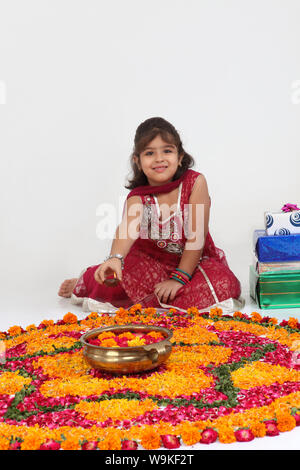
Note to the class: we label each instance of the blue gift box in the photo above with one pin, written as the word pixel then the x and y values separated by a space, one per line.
pixel 270 248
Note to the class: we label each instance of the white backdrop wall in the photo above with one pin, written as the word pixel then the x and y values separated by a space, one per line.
pixel 78 77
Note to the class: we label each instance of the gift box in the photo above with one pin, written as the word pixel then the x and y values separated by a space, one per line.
pixel 275 289
pixel 282 223
pixel 275 266
pixel 276 248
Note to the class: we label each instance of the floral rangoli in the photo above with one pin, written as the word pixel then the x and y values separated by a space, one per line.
pixel 228 378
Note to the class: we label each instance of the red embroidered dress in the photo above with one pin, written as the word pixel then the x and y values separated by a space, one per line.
pixel 151 259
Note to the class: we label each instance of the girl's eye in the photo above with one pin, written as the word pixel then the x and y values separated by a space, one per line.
pixel 150 153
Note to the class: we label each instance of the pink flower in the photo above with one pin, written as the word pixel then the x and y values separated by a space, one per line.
pixel 95 342
pixel 15 446
pixel 290 208
pixel 170 441
pixel 297 418
pixel 50 445
pixel 271 428
pixel 244 435
pixel 92 445
pixel 129 445
pixel 208 436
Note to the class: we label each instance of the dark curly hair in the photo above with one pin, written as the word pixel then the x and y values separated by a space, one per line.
pixel 145 133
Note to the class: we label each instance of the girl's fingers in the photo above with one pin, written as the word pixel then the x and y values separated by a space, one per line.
pixel 165 296
pixel 119 274
pixel 98 276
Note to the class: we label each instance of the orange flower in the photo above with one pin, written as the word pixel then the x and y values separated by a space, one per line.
pixel 32 442
pixel 293 322
pixel 47 323
pixel 156 335
pixel 285 422
pixel 172 310
pixel 135 308
pixel 110 443
pixel 31 327
pixel 93 316
pixel 258 429
pixel 71 443
pixel 274 321
pixel 238 314
pixel 106 335
pixel 150 439
pixel 4 443
pixel 127 335
pixel 14 330
pixel 12 382
pixel 193 310
pixel 256 317
pixel 109 343
pixel 213 313
pixel 190 435
pixel 70 318
pixel 226 435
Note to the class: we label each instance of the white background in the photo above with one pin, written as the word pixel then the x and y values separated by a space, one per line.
pixel 80 76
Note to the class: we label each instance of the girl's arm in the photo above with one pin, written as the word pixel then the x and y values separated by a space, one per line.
pixel 126 234
pixel 128 230
pixel 199 207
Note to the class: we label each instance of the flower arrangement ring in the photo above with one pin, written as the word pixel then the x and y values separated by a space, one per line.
pixel 129 359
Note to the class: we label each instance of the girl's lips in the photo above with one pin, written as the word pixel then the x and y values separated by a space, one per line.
pixel 160 169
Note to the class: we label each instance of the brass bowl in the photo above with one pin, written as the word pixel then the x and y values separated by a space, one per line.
pixel 131 359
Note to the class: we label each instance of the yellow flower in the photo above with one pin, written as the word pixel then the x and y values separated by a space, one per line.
pixel 137 342
pixel 12 382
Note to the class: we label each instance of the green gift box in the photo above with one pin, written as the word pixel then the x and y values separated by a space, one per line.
pixel 275 289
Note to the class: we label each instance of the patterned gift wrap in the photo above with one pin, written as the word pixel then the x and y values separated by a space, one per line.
pixel 269 267
pixel 277 248
pixel 228 378
pixel 282 223
pixel 275 289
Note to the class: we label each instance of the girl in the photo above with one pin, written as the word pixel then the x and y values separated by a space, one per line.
pixel 170 260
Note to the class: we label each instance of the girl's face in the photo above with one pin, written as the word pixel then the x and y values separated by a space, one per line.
pixel 159 161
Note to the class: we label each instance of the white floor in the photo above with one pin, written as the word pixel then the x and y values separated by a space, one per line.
pixel 33 307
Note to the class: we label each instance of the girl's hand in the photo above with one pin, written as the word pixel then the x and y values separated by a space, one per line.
pixel 107 269
pixel 166 290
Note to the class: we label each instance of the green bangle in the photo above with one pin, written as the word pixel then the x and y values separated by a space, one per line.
pixel 178 280
pixel 188 275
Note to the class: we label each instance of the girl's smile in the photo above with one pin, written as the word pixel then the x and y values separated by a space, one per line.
pixel 159 161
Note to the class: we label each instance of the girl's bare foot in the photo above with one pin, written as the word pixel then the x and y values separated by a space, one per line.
pixel 67 287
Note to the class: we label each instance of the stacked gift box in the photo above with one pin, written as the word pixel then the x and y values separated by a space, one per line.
pixel 275 271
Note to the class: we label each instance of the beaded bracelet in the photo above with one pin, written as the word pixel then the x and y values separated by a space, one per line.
pixel 187 274
pixel 180 276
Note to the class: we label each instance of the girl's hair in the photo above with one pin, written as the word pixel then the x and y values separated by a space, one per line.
pixel 146 132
